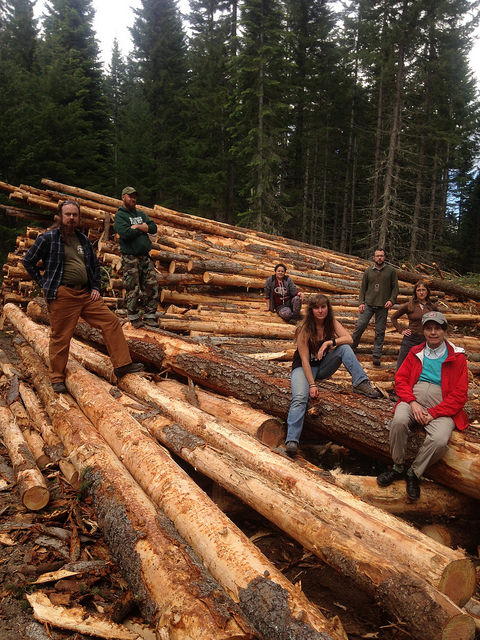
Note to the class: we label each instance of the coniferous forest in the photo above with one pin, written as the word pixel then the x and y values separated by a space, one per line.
pixel 348 125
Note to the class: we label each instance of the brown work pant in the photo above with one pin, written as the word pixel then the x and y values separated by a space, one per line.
pixel 64 312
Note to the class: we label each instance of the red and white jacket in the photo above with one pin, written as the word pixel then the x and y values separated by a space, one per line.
pixel 454 382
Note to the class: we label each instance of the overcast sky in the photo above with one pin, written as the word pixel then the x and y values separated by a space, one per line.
pixel 113 17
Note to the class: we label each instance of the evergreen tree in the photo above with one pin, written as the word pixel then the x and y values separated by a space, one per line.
pixel 259 119
pixel 208 141
pixel 116 92
pixel 76 123
pixel 160 57
pixel 20 98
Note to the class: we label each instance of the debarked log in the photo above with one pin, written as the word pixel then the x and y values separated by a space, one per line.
pixel 428 613
pixel 228 554
pixel 355 421
pixel 449 571
pixel 171 586
pixel 32 488
pixel 434 500
pixel 265 428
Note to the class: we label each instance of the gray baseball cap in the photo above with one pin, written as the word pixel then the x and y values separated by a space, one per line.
pixel 129 191
pixel 435 316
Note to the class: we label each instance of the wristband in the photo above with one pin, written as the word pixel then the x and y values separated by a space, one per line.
pixel 334 342
pixel 312 385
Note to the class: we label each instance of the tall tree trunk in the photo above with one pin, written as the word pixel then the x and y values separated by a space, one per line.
pixel 386 208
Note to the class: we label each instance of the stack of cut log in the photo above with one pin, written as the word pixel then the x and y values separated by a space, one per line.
pixel 387 558
pixel 213 275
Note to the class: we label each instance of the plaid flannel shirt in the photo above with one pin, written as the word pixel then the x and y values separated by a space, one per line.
pixel 49 248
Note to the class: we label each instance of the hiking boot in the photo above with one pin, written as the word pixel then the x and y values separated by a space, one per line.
pixel 291 448
pixel 151 322
pixel 59 387
pixel 137 323
pixel 376 361
pixel 132 367
pixel 366 389
pixel 413 486
pixel 388 477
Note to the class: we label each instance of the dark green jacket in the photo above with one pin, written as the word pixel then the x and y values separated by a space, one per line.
pixel 133 241
pixel 387 289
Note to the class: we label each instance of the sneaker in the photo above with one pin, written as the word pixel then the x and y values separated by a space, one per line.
pixel 388 477
pixel 59 387
pixel 376 361
pixel 366 389
pixel 291 448
pixel 132 367
pixel 413 486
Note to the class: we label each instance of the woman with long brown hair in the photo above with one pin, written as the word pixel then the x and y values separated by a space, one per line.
pixel 414 309
pixel 323 344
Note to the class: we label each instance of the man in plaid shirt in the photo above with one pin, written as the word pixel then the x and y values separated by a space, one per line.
pixel 71 286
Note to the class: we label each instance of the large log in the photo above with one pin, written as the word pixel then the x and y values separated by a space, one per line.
pixel 169 583
pixel 31 486
pixel 40 420
pixel 246 328
pixel 429 615
pixel 450 572
pixel 265 428
pixel 228 554
pixel 355 421
pixel 434 500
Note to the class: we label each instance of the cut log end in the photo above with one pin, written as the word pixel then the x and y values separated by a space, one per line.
pixel 461 627
pixel 36 498
pixel 458 581
pixel 271 432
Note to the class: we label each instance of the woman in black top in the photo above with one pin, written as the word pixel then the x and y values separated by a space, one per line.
pixel 323 344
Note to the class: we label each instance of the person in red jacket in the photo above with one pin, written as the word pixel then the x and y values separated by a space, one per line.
pixel 432 386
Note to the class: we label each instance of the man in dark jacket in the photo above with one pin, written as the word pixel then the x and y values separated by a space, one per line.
pixel 71 286
pixel 432 386
pixel 378 293
pixel 139 276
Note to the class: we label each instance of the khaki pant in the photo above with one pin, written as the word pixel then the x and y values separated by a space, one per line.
pixel 64 312
pixel 438 430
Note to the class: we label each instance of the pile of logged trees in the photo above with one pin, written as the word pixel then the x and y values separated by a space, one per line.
pixel 212 275
pixel 195 574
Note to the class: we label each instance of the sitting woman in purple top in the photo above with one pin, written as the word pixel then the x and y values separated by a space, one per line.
pixel 281 294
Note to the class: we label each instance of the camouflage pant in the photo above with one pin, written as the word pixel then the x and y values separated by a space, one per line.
pixel 141 287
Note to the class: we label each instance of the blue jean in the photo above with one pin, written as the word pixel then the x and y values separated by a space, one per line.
pixel 364 318
pixel 330 362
